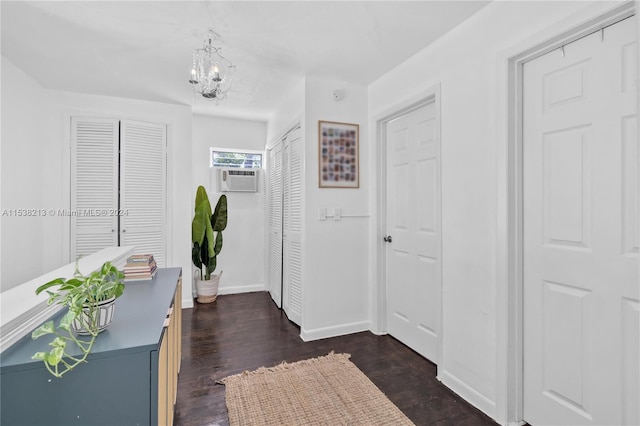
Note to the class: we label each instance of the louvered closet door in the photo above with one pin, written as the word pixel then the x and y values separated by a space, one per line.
pixel 275 223
pixel 292 226
pixel 94 185
pixel 143 188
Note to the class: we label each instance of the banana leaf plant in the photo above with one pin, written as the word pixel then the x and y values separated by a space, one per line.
pixel 206 232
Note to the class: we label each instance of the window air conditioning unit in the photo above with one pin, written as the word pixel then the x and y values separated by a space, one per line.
pixel 238 180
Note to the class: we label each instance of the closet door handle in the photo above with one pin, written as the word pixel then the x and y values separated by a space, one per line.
pixel 387 239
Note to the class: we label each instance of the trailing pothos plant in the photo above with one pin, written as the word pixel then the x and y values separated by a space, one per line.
pixel 81 295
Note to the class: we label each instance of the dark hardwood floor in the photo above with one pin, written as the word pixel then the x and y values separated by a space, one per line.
pixel 247 331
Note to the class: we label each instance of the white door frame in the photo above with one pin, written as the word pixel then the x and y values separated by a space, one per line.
pixel 379 293
pixel 509 249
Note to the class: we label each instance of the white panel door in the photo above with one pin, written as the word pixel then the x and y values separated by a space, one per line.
pixel 275 223
pixel 94 185
pixel 143 188
pixel 580 186
pixel 413 223
pixel 292 226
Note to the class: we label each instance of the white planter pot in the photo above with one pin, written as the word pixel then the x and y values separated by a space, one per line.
pixel 105 316
pixel 207 290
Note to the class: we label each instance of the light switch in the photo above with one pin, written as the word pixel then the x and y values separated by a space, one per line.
pixel 337 213
pixel 322 214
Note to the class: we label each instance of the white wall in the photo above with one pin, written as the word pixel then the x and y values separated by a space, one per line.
pixel 179 197
pixel 335 272
pixel 243 254
pixel 464 62
pixel 23 174
pixel 336 275
pixel 35 167
pixel 289 111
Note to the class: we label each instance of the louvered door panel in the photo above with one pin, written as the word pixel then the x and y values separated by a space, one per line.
pixel 94 185
pixel 275 223
pixel 293 226
pixel 286 203
pixel 143 188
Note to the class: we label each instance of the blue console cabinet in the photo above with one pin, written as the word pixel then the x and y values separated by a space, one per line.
pixel 130 377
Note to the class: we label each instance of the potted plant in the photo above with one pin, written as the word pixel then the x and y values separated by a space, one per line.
pixel 206 235
pixel 90 300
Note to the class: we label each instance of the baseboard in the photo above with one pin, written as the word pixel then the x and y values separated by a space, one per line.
pixel 187 303
pixel 334 331
pixel 241 289
pixel 471 395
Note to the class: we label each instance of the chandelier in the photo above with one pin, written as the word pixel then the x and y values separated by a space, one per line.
pixel 212 73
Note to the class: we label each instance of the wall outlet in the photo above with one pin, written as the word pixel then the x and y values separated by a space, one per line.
pixel 337 213
pixel 322 214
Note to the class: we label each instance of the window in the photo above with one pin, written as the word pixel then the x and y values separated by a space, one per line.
pixel 236 158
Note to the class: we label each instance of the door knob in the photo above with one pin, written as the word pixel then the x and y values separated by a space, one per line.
pixel 387 239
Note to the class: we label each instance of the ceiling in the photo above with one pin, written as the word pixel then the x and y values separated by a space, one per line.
pixel 143 49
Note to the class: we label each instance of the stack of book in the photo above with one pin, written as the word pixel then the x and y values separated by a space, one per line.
pixel 140 267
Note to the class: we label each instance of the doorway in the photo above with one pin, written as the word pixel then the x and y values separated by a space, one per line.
pixel 412 226
pixel 580 242
pixel 570 155
pixel 285 223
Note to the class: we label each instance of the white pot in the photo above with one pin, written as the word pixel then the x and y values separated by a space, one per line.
pixel 207 290
pixel 104 312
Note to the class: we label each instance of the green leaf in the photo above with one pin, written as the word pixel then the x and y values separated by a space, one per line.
pixel 42 356
pixel 211 267
pixel 219 218
pixel 202 216
pixel 195 255
pixel 210 237
pixel 66 287
pixel 76 281
pixel 57 281
pixel 46 328
pixel 58 342
pixel 118 290
pixel 201 196
pixel 108 268
pixel 199 224
pixel 66 320
pixel 76 301
pixel 55 356
pixel 218 245
pixel 204 253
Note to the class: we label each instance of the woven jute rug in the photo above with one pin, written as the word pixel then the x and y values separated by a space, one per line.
pixel 328 390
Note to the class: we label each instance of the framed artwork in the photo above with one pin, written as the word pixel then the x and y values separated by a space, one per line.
pixel 338 155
